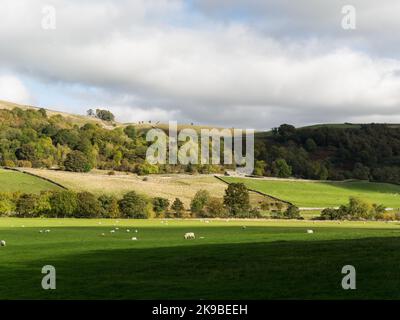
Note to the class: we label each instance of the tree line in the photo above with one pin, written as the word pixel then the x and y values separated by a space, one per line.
pixel 70 204
pixel 365 152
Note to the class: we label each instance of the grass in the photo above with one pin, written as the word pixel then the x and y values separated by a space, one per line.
pixel 12 181
pixel 324 194
pixel 168 186
pixel 267 260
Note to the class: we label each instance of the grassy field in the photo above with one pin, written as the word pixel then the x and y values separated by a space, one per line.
pixel 168 186
pixel 266 260
pixel 11 181
pixel 324 194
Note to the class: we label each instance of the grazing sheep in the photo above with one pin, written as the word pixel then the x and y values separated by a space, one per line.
pixel 116 228
pixel 41 231
pixel 2 243
pixel 127 230
pixel 112 231
pixel 310 231
pixel 134 238
pixel 244 227
pixel 189 235
pixel 47 231
pixel 103 234
pixel 136 231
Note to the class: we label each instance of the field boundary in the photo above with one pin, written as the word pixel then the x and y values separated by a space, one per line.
pixel 36 176
pixel 256 191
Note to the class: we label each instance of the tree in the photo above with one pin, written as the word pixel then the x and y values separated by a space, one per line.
pixel 133 205
pixel 26 205
pixel 77 161
pixel 292 212
pixel 160 205
pixel 237 199
pixel 259 168
pixel 199 202
pixel 63 204
pixel 131 132
pixel 178 207
pixel 87 205
pixel 26 152
pixel 90 113
pixel 109 206
pixel 104 115
pixel 215 208
pixel 281 169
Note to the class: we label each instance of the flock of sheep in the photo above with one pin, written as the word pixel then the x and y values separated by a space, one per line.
pixel 187 236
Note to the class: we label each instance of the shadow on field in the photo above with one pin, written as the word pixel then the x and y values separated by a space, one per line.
pixel 266 270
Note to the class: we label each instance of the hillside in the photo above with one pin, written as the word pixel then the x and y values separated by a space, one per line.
pixel 315 194
pixel 12 181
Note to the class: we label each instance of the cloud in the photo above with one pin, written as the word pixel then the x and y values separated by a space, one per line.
pixel 12 89
pixel 152 60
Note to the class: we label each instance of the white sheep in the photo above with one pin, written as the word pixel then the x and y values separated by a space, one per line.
pixel 2 243
pixel 47 231
pixel 134 238
pixel 310 231
pixel 189 235
pixel 127 230
pixel 112 231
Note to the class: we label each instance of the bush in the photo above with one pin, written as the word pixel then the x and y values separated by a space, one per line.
pixel 160 205
pixel 24 164
pixel 7 204
pixel 63 204
pixel 109 206
pixel 133 205
pixel 215 208
pixel 26 205
pixel 178 208
pixel 87 206
pixel 292 212
pixel 237 199
pixel 9 163
pixel 77 161
pixel 199 202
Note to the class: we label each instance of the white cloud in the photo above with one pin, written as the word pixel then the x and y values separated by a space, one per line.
pixel 12 89
pixel 155 64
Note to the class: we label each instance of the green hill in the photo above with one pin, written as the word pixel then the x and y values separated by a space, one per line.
pixel 12 181
pixel 315 194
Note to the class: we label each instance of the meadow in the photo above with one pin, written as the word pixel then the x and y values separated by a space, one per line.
pixel 12 181
pixel 321 194
pixel 265 260
pixel 168 186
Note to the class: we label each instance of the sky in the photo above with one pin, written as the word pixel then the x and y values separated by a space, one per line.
pixel 232 63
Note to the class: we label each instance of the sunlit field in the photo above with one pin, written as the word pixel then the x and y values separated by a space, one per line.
pixel 229 259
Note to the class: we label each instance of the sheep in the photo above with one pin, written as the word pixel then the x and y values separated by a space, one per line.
pixel 127 230
pixel 310 231
pixel 47 231
pixel 103 234
pixel 244 227
pixel 2 243
pixel 189 235
pixel 134 239
pixel 112 231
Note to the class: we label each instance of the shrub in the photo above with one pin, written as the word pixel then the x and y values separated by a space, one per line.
pixel 133 205
pixel 215 208
pixel 160 205
pixel 77 161
pixel 109 206
pixel 26 205
pixel 9 163
pixel 63 204
pixel 292 212
pixel 237 199
pixel 87 205
pixel 7 204
pixel 199 202
pixel 178 208
pixel 24 164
